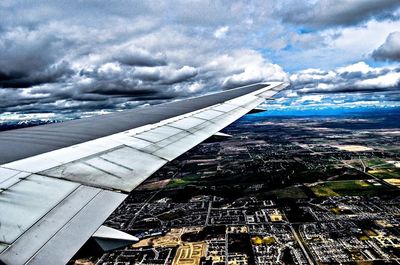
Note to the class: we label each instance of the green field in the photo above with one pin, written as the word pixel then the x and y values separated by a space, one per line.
pixel 293 192
pixel 374 162
pixel 345 187
pixel 386 173
pixel 185 180
pixel 174 183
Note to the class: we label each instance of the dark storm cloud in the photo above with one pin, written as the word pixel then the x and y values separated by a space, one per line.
pixel 53 73
pixel 390 49
pixel 139 58
pixel 65 55
pixel 115 76
pixel 332 13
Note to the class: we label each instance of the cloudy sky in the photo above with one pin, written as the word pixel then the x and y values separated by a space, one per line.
pixel 77 58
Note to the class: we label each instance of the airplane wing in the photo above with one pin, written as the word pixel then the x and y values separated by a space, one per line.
pixel 60 182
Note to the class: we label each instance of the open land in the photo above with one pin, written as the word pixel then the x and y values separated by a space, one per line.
pixel 282 190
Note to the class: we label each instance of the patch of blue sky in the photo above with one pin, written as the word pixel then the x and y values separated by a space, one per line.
pixel 289 48
pixel 332 110
pixel 303 30
pixel 324 104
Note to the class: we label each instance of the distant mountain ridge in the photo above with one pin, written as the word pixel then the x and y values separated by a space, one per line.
pixel 11 125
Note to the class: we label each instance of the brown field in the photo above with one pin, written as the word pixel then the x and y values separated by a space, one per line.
pixel 394 182
pixel 189 253
pixel 171 239
pixel 353 148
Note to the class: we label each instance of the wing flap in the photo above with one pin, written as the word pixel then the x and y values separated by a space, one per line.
pixel 56 237
pixel 67 241
pixel 123 169
pixel 27 200
pixel 48 226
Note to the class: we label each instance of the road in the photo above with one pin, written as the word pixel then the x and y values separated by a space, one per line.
pixel 310 261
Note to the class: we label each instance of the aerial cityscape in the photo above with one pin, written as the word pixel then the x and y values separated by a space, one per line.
pixel 281 190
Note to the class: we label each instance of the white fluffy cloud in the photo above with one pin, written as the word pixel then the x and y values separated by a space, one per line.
pixel 221 32
pixel 390 49
pixel 243 67
pixel 354 78
pixel 390 80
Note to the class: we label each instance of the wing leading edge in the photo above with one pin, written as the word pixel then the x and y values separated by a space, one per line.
pixel 54 197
